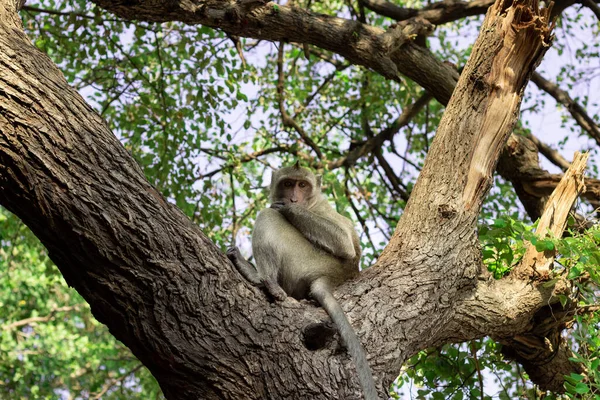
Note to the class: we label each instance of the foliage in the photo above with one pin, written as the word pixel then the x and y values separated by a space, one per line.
pixel 207 131
pixel 50 344
pixel 454 371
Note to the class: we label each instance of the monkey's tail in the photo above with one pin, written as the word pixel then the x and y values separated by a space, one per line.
pixel 321 292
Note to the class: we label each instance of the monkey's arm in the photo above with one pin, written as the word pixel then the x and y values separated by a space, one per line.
pixel 332 232
pixel 251 274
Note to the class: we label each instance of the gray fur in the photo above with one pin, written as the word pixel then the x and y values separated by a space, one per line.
pixel 304 250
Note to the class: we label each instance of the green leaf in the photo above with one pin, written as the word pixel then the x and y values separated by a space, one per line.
pixel 581 388
pixel 500 223
pixel 574 272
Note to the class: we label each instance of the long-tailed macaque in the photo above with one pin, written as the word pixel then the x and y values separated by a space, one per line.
pixel 304 248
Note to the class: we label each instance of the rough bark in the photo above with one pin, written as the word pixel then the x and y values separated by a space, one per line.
pixel 172 297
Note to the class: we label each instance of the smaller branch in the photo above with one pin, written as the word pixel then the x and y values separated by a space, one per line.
pixel 286 119
pixel 477 368
pixel 437 13
pixel 389 172
pixel 552 155
pixel 34 320
pixel 387 134
pixel 115 381
pixel 356 211
pixel 54 12
pixel 246 158
pixel 576 110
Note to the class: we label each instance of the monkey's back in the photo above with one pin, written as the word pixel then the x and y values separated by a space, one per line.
pixel 298 262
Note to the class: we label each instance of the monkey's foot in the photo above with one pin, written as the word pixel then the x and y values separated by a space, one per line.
pixel 274 289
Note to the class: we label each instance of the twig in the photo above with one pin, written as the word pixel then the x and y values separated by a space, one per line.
pixel 387 134
pixel 286 119
pixel 389 172
pixel 361 220
pixel 323 84
pixel 477 368
pixel 34 320
pixel 113 382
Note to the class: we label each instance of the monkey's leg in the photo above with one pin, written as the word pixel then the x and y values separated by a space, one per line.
pixel 321 291
pixel 251 274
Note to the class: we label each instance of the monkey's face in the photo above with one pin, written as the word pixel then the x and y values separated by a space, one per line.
pixel 294 191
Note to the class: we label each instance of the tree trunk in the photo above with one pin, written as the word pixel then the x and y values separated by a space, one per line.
pixel 175 300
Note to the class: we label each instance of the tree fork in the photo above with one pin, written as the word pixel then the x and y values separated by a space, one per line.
pixel 173 298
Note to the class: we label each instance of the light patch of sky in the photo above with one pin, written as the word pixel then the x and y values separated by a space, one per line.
pixel 547 124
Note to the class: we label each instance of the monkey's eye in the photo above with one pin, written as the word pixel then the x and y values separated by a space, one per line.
pixel 302 184
pixel 288 184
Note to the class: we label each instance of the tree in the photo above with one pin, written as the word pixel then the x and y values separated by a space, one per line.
pixel 166 290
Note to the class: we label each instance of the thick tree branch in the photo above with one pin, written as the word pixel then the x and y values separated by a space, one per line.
pixel 148 272
pixel 445 11
pixel 457 174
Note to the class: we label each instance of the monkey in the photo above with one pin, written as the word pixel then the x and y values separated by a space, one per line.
pixel 303 248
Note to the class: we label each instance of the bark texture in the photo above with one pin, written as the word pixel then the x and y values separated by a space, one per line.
pixel 172 297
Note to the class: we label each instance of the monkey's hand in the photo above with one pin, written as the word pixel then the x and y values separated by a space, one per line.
pixel 277 205
pixel 243 266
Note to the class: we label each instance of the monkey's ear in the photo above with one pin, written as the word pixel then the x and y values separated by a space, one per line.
pixel 319 180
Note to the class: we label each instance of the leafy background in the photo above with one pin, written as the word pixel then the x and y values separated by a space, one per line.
pixel 207 130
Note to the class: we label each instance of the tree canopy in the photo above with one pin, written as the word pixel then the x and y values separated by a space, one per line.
pixel 206 98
